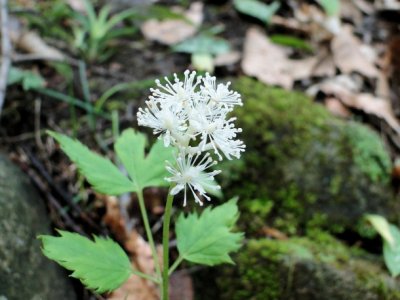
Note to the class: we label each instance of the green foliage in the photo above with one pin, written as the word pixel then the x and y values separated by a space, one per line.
pixel 291 41
pixel 207 239
pixel 203 47
pixel 391 242
pixel 257 9
pixel 144 171
pixel 94 32
pixel 383 227
pixel 101 173
pixel 370 154
pixel 28 79
pixel 203 43
pixel 391 252
pixel 101 264
pixel 331 7
pixel 105 177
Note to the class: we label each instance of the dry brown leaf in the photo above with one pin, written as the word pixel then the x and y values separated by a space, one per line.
pixel 270 63
pixel 32 43
pixel 265 60
pixel 226 59
pixel 135 288
pixel 374 106
pixel 170 32
pixel 140 254
pixel 337 108
pixel 349 56
pixel 113 218
pixel 347 91
pixel 274 233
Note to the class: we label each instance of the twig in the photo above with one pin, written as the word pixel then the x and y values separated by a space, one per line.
pixel 5 51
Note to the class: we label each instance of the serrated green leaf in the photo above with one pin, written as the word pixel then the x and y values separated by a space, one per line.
pixel 144 171
pixel 382 226
pixel 203 44
pixel 101 264
pixel 257 9
pixel 207 239
pixel 101 173
pixel 391 253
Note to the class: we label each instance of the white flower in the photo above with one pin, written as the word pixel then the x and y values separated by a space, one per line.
pixel 220 94
pixel 191 173
pixel 192 116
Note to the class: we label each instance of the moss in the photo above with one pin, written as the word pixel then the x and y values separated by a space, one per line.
pixel 315 267
pixel 306 162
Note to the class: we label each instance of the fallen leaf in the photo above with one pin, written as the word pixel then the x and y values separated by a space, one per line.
pixel 170 32
pixel 135 288
pixel 32 43
pixel 226 59
pixel 270 64
pixel 336 107
pixel 347 91
pixel 274 233
pixel 265 60
pixel 349 56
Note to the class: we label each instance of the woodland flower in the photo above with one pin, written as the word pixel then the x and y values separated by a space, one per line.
pixel 192 116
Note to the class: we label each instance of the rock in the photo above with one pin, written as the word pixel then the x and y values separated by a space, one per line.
pixel 24 272
pixel 320 268
pixel 302 166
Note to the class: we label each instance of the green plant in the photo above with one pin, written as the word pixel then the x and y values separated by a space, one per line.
pixel 203 48
pixel 190 117
pixel 257 9
pixel 93 33
pixel 391 242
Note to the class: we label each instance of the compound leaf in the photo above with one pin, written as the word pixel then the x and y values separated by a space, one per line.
pixel 101 264
pixel 208 239
pixel 101 173
pixel 144 171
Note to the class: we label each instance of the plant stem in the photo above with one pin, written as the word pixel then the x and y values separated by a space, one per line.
pixel 175 265
pixel 165 274
pixel 148 231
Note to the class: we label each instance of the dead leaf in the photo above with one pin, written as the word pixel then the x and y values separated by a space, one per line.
pixel 135 288
pixel 32 43
pixel 270 63
pixel 336 107
pixel 170 32
pixel 346 89
pixel 265 60
pixel 349 56
pixel 274 233
pixel 113 218
pixel 226 59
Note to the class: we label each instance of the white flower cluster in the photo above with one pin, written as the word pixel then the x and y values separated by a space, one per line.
pixel 192 115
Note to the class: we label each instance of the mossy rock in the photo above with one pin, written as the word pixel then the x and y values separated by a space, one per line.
pixel 321 268
pixel 302 166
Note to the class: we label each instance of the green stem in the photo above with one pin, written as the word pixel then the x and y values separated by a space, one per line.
pixel 148 231
pixel 145 276
pixel 167 218
pixel 175 265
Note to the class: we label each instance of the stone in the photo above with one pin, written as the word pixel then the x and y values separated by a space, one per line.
pixel 304 167
pixel 24 272
pixel 306 268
